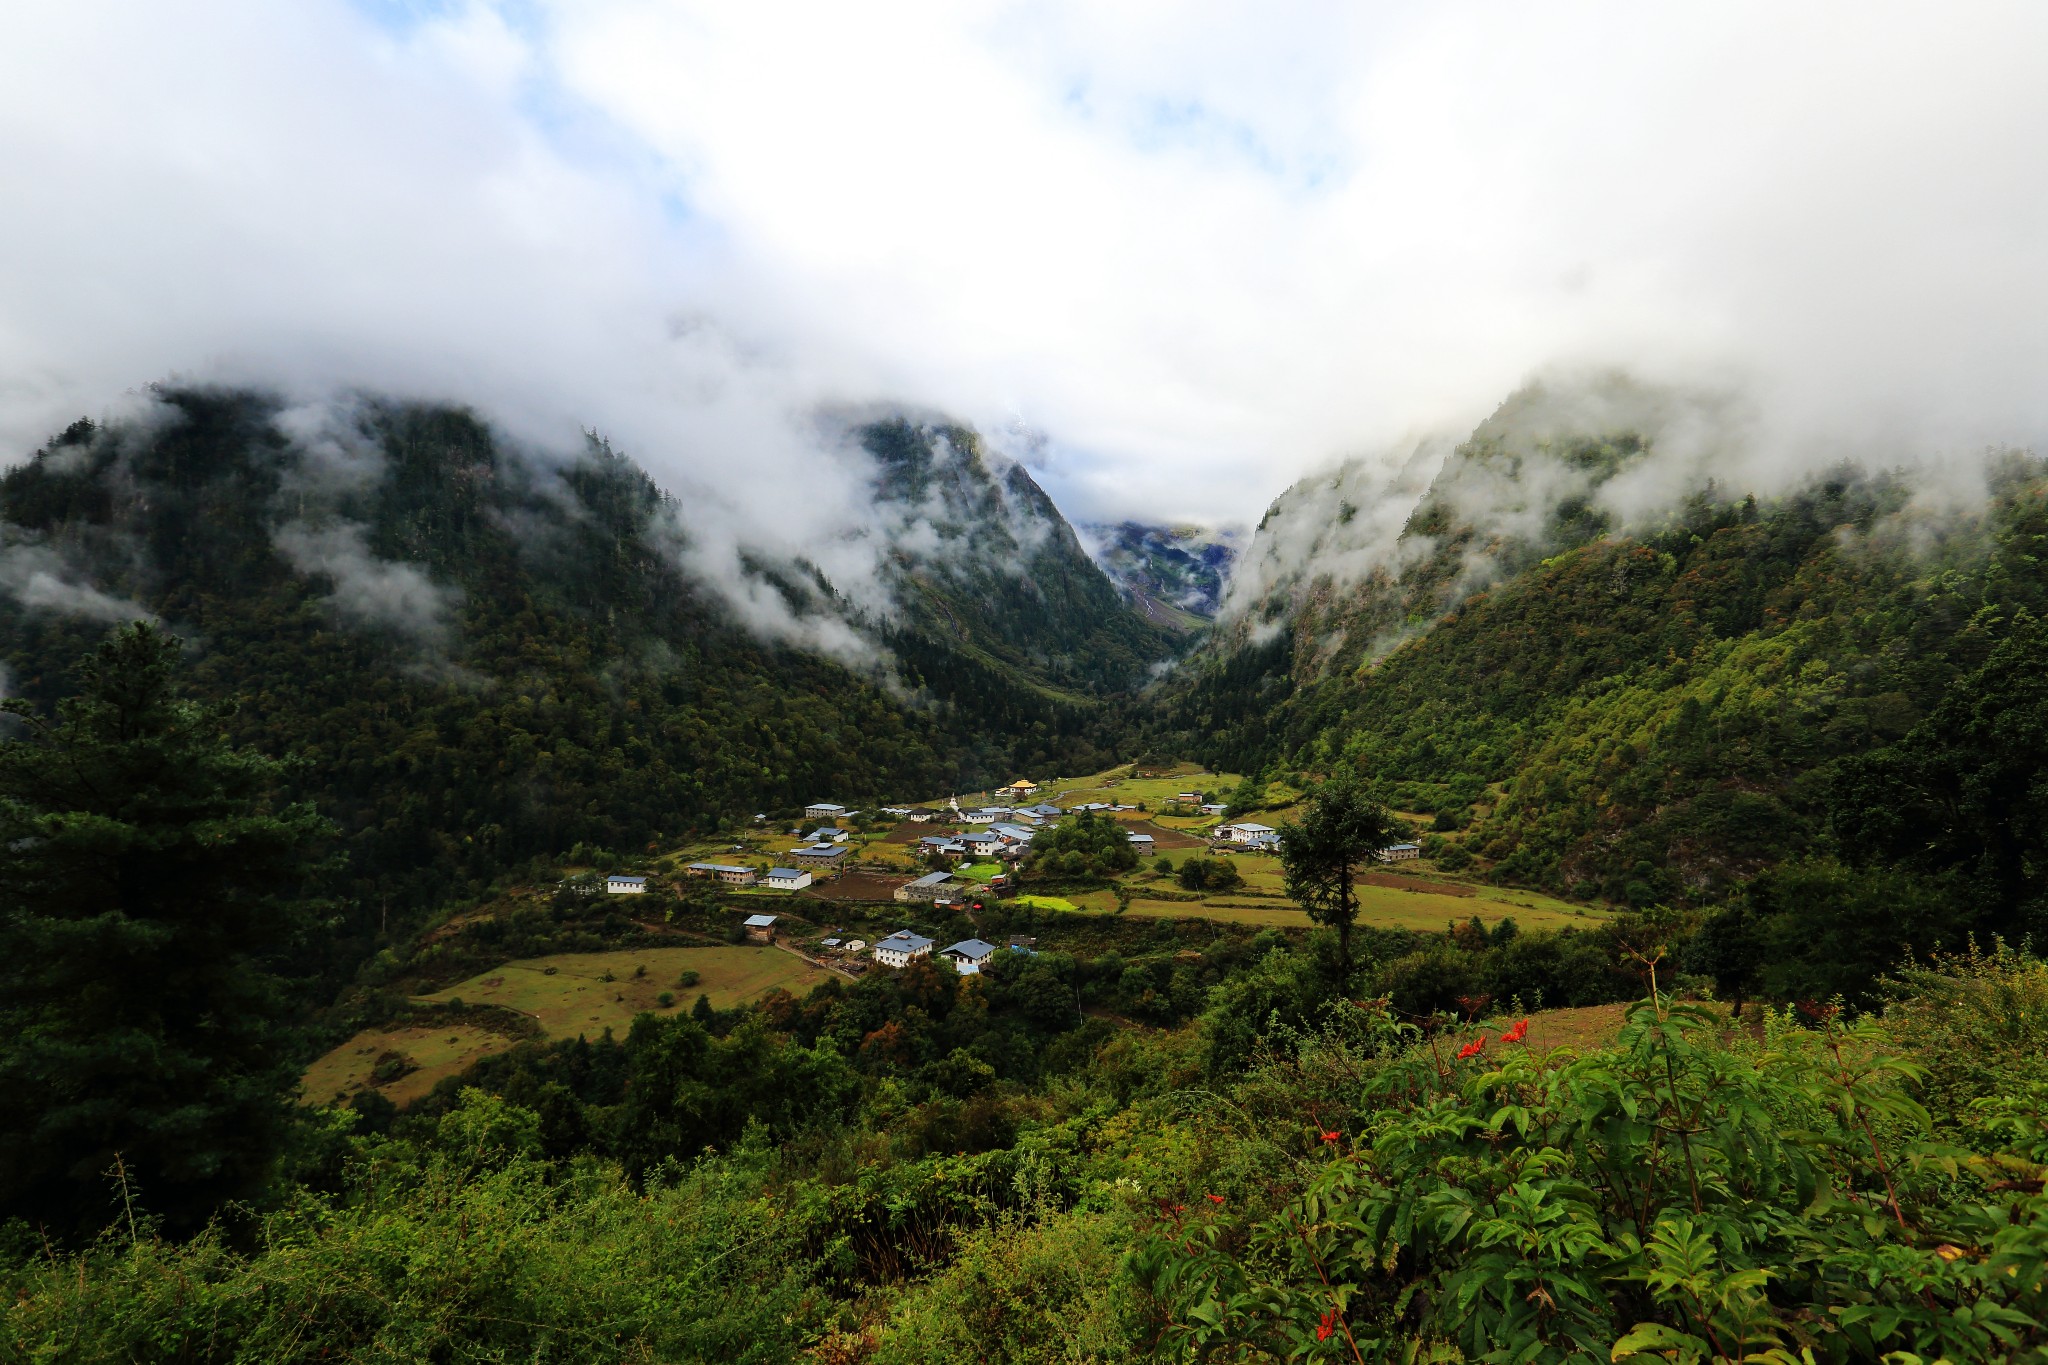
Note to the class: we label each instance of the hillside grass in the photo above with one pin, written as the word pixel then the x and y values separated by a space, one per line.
pixel 436 1051
pixel 576 999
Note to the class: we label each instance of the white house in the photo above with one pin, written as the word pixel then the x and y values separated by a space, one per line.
pixel 823 810
pixel 1244 832
pixel 987 815
pixel 1395 853
pixel 1215 808
pixel 625 886
pixel 761 928
pixel 902 948
pixel 732 874
pixel 826 834
pixel 968 954
pixel 786 879
pixel 982 843
pixel 925 888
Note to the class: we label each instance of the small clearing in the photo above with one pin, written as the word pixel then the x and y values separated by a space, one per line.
pixel 569 995
pixel 427 1055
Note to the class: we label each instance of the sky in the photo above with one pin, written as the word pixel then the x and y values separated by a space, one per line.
pixel 1175 256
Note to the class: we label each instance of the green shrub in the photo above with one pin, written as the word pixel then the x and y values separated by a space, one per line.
pixel 1668 1199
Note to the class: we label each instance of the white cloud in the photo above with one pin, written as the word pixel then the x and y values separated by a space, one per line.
pixel 374 591
pixel 1204 247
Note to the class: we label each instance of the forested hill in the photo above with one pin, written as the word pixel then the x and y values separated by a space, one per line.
pixel 1660 715
pixel 481 659
pixel 1000 581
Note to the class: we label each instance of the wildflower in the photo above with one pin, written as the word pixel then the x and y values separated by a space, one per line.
pixel 1473 1049
pixel 1213 1198
pixel 1517 1033
pixel 1327 1325
pixel 1330 1134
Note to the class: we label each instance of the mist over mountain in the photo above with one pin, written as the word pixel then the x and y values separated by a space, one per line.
pixel 1575 637
pixel 1176 574
pixel 486 654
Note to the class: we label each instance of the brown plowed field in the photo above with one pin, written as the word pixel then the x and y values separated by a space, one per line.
pixel 1162 837
pixel 855 886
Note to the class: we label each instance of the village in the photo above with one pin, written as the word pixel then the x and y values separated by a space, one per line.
pixel 958 856
pixel 785 902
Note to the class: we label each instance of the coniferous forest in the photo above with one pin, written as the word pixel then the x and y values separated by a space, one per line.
pixel 301 736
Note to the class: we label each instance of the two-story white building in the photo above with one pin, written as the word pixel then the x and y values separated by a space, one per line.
pixel 902 948
pixel 625 886
pixel 823 810
pixel 968 955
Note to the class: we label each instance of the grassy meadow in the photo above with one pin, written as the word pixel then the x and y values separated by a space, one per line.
pixel 568 994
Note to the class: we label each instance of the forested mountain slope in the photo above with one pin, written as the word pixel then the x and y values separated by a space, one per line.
pixel 1649 716
pixel 481 658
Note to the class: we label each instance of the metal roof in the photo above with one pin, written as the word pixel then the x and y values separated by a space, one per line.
pixel 760 921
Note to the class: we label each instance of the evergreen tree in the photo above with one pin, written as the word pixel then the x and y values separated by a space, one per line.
pixel 1341 829
pixel 146 888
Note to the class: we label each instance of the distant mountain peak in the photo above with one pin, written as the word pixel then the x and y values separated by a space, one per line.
pixel 1176 575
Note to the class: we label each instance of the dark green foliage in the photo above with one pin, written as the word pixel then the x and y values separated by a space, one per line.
pixel 1964 796
pixel 1084 845
pixel 1341 830
pixel 1830 931
pixel 1208 874
pixel 1666 1199
pixel 148 885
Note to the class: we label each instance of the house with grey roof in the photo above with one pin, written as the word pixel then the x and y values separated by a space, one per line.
pixel 925 888
pixel 902 948
pixel 732 874
pixel 968 955
pixel 818 856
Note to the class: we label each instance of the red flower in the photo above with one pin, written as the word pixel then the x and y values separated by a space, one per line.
pixel 1517 1033
pixel 1213 1198
pixel 1330 1134
pixel 1327 1325
pixel 1471 1050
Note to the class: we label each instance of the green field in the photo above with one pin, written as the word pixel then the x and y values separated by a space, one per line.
pixel 574 997
pixel 1046 902
pixel 1117 787
pixel 447 1050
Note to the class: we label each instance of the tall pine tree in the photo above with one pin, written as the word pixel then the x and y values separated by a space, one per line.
pixel 147 885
